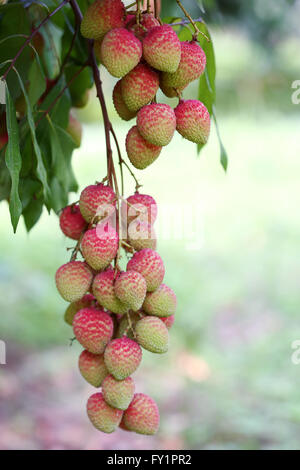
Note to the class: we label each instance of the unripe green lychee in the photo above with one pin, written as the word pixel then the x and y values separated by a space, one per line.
pixel 121 51
pixel 131 288
pixel 92 368
pixel 71 222
pixel 104 291
pixel 102 16
pixel 87 301
pixel 152 334
pixel 141 235
pixel 93 329
pixel 94 200
pixel 139 86
pixel 140 206
pixel 74 129
pixel 99 246
pixel 102 416
pixel 73 280
pixel 122 357
pixel 140 152
pixel 157 123
pixel 161 303
pixel 193 121
pixel 142 415
pixel 118 393
pixel 161 48
pixel 148 263
pixel 147 22
pixel 119 103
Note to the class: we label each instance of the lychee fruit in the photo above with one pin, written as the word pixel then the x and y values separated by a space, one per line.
pixel 119 103
pixel 139 86
pixel 141 206
pixel 102 16
pixel 74 128
pixel 161 48
pixel 93 329
pixel 142 415
pixel 95 200
pixel 121 51
pixel 92 368
pixel 193 121
pixel 71 222
pixel 168 321
pixel 102 416
pixel 122 357
pixel 140 152
pixel 157 123
pixel 131 288
pixel 97 49
pixel 118 393
pixel 152 334
pixel 161 303
pixel 73 280
pixel 141 235
pixel 148 263
pixel 100 247
pixel 171 92
pixel 103 290
pixel 192 65
pixel 86 301
pixel 126 326
pixel 147 22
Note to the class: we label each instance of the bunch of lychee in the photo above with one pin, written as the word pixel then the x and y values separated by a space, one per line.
pixel 115 313
pixel 147 55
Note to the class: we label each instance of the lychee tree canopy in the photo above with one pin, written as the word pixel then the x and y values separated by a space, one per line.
pixel 45 69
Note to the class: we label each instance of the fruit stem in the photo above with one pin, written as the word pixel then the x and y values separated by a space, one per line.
pixel 197 30
pixel 148 6
pixel 138 12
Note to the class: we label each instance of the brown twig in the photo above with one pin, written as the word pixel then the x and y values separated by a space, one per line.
pixel 197 30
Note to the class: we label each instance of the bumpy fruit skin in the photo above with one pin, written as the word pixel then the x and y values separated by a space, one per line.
pixel 94 198
pixel 71 222
pixel 139 205
pixel 119 103
pixel 101 17
pixel 168 321
pixel 171 92
pixel 161 49
pixel 100 248
pixel 121 51
pixel 103 290
pixel 139 86
pixel 122 357
pixel 142 415
pixel 152 334
pixel 86 301
pixel 147 22
pixel 102 416
pixel 93 329
pixel 141 235
pixel 73 280
pixel 192 65
pixel 131 288
pixel 161 303
pixel 193 121
pixel 118 393
pixel 157 123
pixel 140 152
pixel 148 263
pixel 92 368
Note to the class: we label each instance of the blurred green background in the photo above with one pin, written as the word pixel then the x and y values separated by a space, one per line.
pixel 228 381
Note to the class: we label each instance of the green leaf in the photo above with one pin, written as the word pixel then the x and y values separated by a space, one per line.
pixel 37 82
pixel 13 160
pixel 32 213
pixel 223 155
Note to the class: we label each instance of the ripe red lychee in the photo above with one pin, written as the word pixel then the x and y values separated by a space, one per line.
pixel 87 301
pixel 141 235
pixel 161 303
pixel 193 121
pixel 119 103
pixel 99 246
pixel 152 334
pixel 140 152
pixel 92 368
pixel 168 321
pixel 121 51
pixel 192 65
pixel 142 415
pixel 95 200
pixel 102 416
pixel 71 222
pixel 140 206
pixel 147 22
pixel 102 16
pixel 148 263
pixel 73 280
pixel 161 48
pixel 122 357
pixel 157 123
pixel 118 393
pixel 131 288
pixel 139 86
pixel 103 290
pixel 93 329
